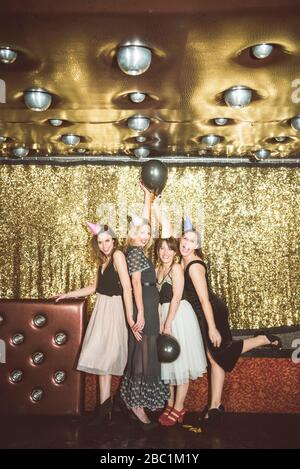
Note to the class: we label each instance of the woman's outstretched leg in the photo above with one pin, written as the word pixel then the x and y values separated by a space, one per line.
pixel 254 342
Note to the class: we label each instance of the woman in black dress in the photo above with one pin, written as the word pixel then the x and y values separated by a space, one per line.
pixel 104 348
pixel 212 313
pixel 142 386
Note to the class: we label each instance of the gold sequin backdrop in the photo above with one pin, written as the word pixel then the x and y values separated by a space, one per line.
pixel 250 228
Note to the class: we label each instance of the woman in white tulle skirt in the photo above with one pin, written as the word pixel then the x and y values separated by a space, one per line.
pixel 178 319
pixel 104 350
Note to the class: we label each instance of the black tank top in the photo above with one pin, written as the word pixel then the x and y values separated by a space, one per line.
pixel 188 284
pixel 109 282
pixel 165 289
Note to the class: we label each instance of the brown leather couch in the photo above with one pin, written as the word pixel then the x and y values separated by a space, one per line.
pixel 42 341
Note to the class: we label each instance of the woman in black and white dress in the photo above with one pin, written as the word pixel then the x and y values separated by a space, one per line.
pixel 142 386
pixel 179 320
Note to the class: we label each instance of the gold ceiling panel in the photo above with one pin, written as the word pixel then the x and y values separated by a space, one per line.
pixel 199 50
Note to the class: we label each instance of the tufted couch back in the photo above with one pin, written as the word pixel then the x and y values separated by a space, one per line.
pixel 40 345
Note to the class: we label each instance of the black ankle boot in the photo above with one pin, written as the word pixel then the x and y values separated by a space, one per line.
pixel 101 413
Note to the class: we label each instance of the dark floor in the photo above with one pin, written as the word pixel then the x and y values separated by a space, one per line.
pixel 235 431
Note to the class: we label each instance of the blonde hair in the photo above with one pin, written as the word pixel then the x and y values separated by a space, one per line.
pixel 134 230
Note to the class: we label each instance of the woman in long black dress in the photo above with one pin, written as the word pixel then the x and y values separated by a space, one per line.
pixel 142 386
pixel 222 351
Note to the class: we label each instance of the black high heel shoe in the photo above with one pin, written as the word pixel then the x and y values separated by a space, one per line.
pixel 143 425
pixel 213 415
pixel 272 339
pixel 127 411
pixel 101 413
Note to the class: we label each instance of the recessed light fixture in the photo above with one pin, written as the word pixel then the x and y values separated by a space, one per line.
pixel 138 123
pixel 262 153
pixel 7 55
pixel 295 123
pixel 238 96
pixel 133 59
pixel 55 122
pixel 21 152
pixel 280 138
pixel 81 150
pixel 37 99
pixel 210 140
pixel 261 51
pixel 142 152
pixel 137 97
pixel 221 121
pixel 140 138
pixel 70 139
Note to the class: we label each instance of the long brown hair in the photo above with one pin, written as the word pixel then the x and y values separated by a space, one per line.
pixel 98 254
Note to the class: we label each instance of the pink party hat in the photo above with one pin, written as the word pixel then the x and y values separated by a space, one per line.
pixel 94 228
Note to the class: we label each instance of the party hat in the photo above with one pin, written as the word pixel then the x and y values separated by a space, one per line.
pixel 94 228
pixel 188 225
pixel 136 220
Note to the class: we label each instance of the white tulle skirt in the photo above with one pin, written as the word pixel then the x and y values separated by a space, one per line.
pixel 191 363
pixel 105 345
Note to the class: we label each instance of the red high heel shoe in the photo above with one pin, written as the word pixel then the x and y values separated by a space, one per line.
pixel 165 414
pixel 174 417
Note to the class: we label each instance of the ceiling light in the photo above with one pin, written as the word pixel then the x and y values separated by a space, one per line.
pixel 221 120
pixel 7 55
pixel 3 139
pixel 210 140
pixel 238 96
pixel 70 139
pixel 21 152
pixel 262 153
pixel 138 123
pixel 137 97
pixel 280 139
pixel 295 123
pixel 141 152
pixel 37 99
pixel 140 138
pixel 261 51
pixel 55 122
pixel 134 60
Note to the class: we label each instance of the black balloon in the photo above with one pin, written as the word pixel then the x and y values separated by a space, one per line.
pixel 154 176
pixel 168 348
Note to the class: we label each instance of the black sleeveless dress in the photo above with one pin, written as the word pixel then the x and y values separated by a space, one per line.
pixel 109 281
pixel 142 385
pixel 229 351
